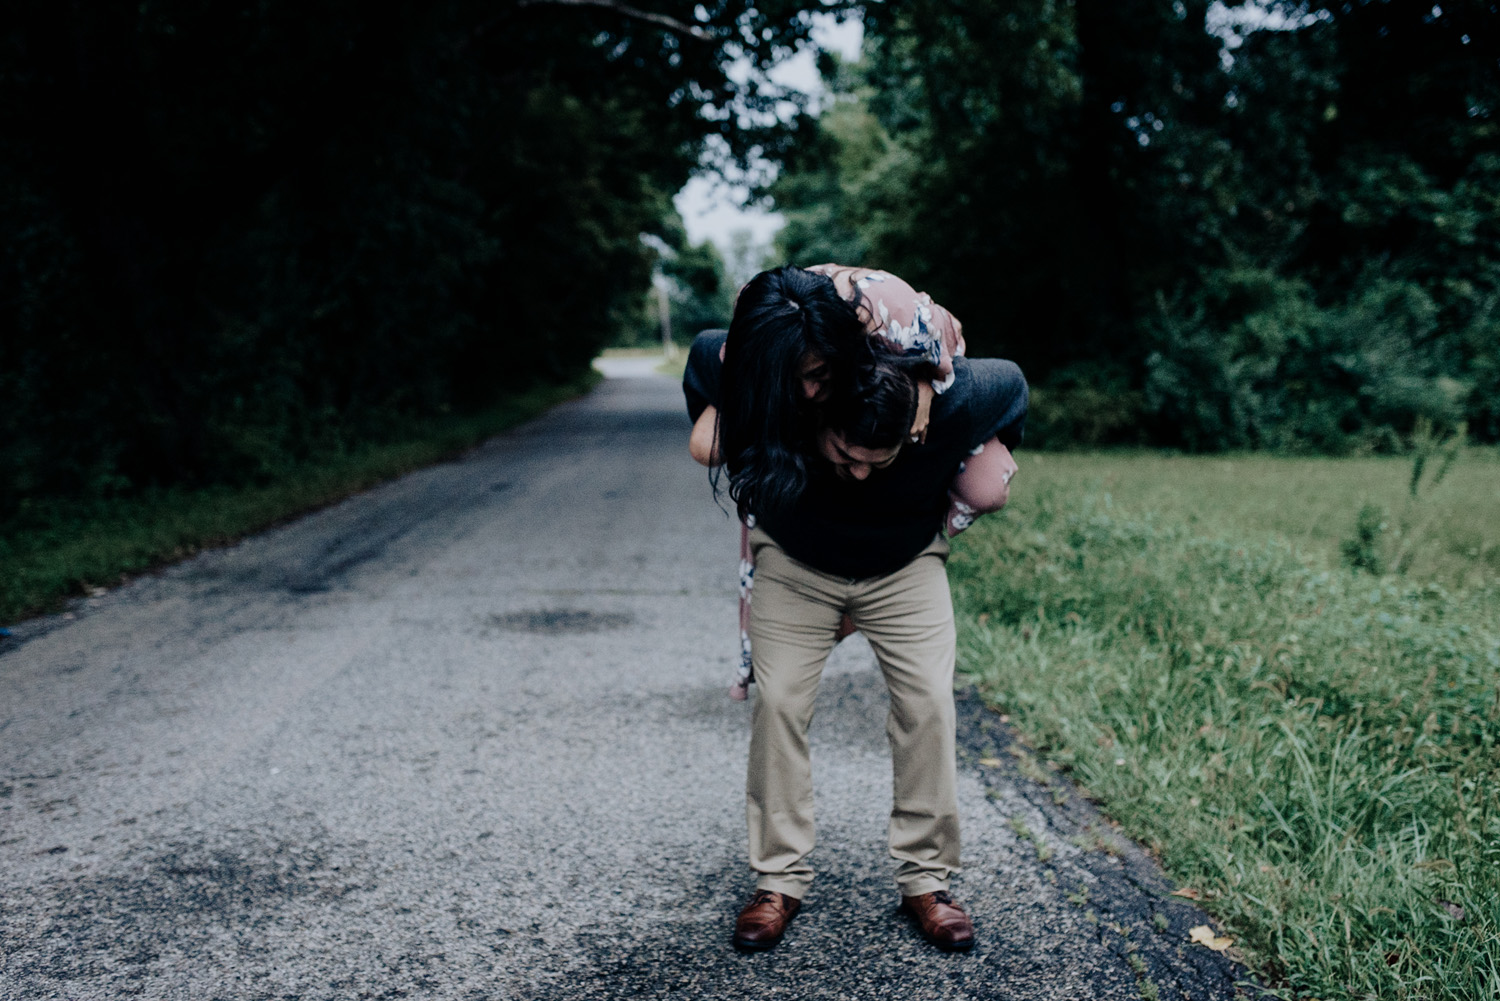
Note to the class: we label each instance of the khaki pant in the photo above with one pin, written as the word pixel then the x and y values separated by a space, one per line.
pixel 908 618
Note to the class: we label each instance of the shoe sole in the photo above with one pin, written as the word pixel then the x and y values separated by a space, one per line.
pixel 946 947
pixel 747 946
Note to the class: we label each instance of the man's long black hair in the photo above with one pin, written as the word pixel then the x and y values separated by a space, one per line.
pixel 881 405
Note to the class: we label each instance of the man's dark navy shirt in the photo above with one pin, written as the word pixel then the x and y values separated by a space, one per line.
pixel 873 527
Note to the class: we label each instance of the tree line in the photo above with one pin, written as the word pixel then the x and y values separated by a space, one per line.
pixel 1204 225
pixel 238 236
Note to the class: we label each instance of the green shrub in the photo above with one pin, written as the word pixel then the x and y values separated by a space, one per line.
pixel 1083 412
pixel 1248 360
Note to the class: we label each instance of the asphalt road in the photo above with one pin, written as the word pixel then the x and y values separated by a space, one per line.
pixel 467 736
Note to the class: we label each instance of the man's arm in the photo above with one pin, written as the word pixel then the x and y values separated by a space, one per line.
pixel 704 371
pixel 700 386
pixel 995 401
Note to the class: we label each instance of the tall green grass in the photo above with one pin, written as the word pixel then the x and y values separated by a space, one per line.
pixel 61 548
pixel 1311 746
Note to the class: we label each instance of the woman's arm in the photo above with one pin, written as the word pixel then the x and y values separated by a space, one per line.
pixel 903 320
pixel 704 444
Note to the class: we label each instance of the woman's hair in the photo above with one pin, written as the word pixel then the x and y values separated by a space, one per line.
pixel 881 406
pixel 766 426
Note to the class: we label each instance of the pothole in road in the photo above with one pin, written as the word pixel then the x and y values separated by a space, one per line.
pixel 553 621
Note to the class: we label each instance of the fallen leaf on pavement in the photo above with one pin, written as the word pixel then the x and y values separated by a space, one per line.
pixel 1188 892
pixel 1204 935
pixel 990 762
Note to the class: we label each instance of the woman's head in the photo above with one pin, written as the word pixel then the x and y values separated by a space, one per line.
pixel 792 343
pixel 815 372
pixel 792 327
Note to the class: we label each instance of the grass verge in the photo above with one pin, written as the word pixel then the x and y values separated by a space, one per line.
pixel 675 366
pixel 672 367
pixel 72 548
pixel 1315 749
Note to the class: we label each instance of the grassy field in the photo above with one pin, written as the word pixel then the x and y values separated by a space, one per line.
pixel 1449 532
pixel 50 553
pixel 1309 745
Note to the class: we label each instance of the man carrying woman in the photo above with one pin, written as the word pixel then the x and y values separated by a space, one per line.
pixel 844 462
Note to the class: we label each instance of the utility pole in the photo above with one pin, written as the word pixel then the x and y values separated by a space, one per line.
pixel 664 307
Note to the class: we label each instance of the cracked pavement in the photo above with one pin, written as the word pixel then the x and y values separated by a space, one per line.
pixel 466 735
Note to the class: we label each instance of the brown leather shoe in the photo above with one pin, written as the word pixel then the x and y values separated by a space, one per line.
pixel 941 921
pixel 763 921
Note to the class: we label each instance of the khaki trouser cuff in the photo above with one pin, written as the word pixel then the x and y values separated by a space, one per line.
pixel 790 888
pixel 922 884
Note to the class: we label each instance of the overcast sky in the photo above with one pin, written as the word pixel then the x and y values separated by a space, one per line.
pixel 712 209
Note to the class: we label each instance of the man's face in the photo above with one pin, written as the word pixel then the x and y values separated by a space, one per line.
pixel 851 462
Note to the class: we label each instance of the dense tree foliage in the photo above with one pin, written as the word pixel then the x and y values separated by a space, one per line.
pixel 235 236
pixel 1281 235
pixel 232 235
